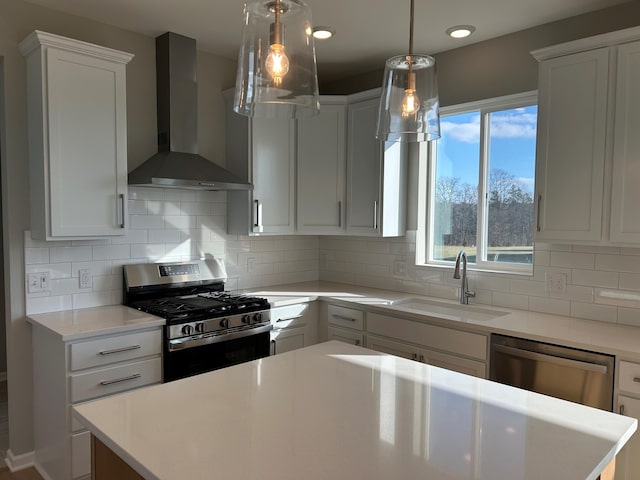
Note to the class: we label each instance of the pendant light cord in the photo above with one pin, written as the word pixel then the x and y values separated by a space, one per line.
pixel 411 30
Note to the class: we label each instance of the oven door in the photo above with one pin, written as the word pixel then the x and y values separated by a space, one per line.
pixel 202 358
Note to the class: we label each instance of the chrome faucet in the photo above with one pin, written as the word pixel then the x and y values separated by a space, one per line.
pixel 464 284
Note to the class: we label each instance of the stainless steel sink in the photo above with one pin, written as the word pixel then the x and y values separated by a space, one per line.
pixel 447 310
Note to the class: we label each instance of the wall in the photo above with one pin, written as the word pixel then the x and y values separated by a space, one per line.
pixel 603 283
pixel 165 225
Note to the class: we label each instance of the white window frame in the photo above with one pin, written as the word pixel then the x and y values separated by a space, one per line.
pixel 426 184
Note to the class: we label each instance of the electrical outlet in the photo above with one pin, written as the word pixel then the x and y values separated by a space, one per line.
pixel 400 268
pixel 85 278
pixel 556 282
pixel 38 282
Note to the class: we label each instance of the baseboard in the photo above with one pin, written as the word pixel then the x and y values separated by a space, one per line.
pixel 42 473
pixel 19 462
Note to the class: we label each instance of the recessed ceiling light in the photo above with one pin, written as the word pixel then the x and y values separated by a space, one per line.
pixel 460 31
pixel 322 33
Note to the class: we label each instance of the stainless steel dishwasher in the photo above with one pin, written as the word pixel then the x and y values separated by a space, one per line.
pixel 571 374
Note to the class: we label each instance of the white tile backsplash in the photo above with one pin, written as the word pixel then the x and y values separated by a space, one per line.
pixel 603 283
pixel 165 225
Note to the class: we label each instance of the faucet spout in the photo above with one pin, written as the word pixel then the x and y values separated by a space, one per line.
pixel 465 293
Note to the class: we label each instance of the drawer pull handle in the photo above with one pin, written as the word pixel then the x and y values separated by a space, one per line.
pixel 357 343
pixel 119 350
pixel 414 356
pixel 118 380
pixel 342 317
pixel 621 409
pixel 289 318
pixel 636 379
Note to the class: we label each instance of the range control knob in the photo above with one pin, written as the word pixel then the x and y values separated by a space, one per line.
pixel 246 319
pixel 224 323
pixel 257 317
pixel 187 329
pixel 200 327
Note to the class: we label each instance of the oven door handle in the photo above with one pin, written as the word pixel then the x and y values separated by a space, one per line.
pixel 206 339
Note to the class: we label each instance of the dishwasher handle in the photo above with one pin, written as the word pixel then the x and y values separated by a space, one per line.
pixel 566 362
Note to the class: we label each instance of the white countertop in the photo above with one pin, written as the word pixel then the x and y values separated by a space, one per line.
pixel 335 411
pixel 611 338
pixel 88 322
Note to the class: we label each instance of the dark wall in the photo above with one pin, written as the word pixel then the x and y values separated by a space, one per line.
pixel 503 65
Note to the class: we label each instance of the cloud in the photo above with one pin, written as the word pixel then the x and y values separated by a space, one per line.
pixel 515 123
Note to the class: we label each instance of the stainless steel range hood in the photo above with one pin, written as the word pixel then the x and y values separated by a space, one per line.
pixel 177 163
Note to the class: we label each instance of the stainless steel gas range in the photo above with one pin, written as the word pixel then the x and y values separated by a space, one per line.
pixel 206 327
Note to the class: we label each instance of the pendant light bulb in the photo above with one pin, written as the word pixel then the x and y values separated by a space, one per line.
pixel 410 102
pixel 277 63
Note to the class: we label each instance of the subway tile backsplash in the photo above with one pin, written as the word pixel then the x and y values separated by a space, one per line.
pixel 602 283
pixel 165 225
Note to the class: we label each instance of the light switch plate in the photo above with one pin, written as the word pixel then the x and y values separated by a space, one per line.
pixel 85 278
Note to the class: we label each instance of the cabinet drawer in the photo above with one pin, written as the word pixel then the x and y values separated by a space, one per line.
pixel 289 316
pixel 449 340
pixel 347 336
pixel 346 317
pixel 287 339
pixel 80 454
pixel 629 377
pixel 103 351
pixel 112 380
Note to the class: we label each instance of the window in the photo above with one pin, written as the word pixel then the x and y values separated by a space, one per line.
pixel 478 187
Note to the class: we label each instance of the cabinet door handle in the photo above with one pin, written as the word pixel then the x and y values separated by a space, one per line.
pixel 414 356
pixel 289 318
pixel 538 213
pixel 257 223
pixel 119 350
pixel 118 380
pixel 357 343
pixel 621 409
pixel 273 347
pixel 121 215
pixel 422 358
pixel 636 379
pixel 339 214
pixel 375 214
pixel 342 317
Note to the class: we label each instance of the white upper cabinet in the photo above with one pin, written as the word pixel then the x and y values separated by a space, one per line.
pixel 263 152
pixel 586 190
pixel 625 192
pixel 376 176
pixel 77 137
pixel 321 154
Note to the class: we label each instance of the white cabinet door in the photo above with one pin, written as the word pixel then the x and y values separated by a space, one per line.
pixel 376 176
pixel 78 138
pixel 628 460
pixel 348 336
pixel 625 194
pixel 572 127
pixel 263 152
pixel 321 171
pixel 294 326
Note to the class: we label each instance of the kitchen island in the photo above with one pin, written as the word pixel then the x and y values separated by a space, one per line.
pixel 337 411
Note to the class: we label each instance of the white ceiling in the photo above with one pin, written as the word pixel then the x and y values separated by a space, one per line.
pixel 368 31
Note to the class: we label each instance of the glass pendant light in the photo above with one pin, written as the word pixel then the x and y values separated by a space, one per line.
pixel 409 106
pixel 277 62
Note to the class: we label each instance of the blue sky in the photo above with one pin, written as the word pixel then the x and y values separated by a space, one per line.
pixel 512 146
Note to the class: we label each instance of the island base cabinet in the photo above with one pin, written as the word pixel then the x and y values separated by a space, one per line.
pixel 628 460
pixel 294 326
pixel 107 465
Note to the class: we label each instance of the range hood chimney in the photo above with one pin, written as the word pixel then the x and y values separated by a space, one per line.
pixel 177 163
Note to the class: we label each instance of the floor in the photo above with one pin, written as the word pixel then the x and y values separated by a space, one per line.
pixel 26 474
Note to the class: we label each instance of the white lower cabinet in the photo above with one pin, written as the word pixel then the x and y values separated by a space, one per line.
pixel 424 355
pixel 66 373
pixel 628 460
pixel 345 324
pixel 294 326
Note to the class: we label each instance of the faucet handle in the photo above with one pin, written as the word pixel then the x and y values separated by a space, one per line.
pixel 470 294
